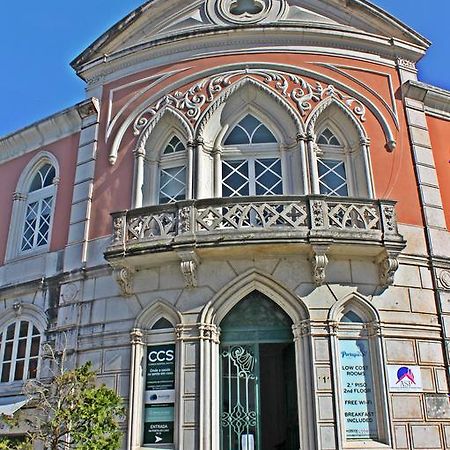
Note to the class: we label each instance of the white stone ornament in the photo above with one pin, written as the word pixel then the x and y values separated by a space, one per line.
pixel 245 11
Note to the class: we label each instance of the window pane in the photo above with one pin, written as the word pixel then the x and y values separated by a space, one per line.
pixel 172 185
pixel 250 131
pixel 18 375
pixel 21 348
pixel 35 331
pixel 174 146
pixel 268 177
pixel 263 136
pixel 332 177
pixel 237 136
pixel 328 138
pixel 5 372
pixel 23 332
pixel 35 344
pixel 10 331
pixel 235 180
pixel 43 178
pixel 8 351
pixel 32 368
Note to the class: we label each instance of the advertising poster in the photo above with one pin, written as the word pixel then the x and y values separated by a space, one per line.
pixel 357 384
pixel 159 394
pixel 405 379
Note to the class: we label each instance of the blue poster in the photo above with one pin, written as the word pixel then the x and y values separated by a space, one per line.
pixel 357 384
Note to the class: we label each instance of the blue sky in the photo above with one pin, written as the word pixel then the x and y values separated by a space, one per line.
pixel 38 40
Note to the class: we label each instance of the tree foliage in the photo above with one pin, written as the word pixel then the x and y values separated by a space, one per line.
pixel 71 412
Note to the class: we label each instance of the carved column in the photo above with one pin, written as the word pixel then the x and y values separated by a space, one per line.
pixel 139 156
pixel 190 170
pixel 209 387
pixel 365 146
pixel 304 162
pixel 313 164
pixel 137 385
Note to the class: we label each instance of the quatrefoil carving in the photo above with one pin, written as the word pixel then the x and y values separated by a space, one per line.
pixel 246 8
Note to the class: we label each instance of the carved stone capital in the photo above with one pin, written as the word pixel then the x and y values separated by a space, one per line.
pixel 319 262
pixel 301 329
pixel 374 329
pixel 388 265
pixel 189 265
pixel 124 277
pixel 333 327
pixel 137 336
pixel 209 332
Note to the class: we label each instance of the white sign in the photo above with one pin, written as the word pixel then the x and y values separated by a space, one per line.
pixel 160 396
pixel 405 379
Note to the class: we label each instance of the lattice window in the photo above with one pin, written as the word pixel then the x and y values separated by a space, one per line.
pixel 172 173
pixel 172 184
pixel 20 348
pixel 332 177
pixel 39 208
pixel 250 164
pixel 250 131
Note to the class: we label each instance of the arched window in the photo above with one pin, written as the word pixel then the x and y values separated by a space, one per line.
pixel 251 163
pixel 38 215
pixel 339 158
pixel 172 172
pixel 33 207
pixel 154 372
pixel 360 375
pixel 19 351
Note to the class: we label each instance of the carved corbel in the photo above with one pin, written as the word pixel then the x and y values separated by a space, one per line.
pixel 189 265
pixel 388 265
pixel 124 278
pixel 18 308
pixel 319 262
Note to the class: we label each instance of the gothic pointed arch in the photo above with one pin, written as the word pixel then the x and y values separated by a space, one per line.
pixel 156 311
pixel 249 94
pixel 357 304
pixel 253 280
pixel 325 106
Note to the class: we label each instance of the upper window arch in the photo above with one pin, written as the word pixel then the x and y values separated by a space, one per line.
pixel 248 131
pixel 33 207
pixel 327 137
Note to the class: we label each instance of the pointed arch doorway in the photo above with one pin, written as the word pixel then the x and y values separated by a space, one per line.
pixel 258 377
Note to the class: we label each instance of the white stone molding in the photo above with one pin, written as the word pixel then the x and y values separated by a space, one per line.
pixel 244 83
pixel 189 266
pixel 319 263
pixel 19 204
pixel 444 279
pixel 26 312
pixel 250 12
pixel 157 310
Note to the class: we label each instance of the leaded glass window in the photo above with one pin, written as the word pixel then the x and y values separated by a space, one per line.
pixel 39 208
pixel 20 348
pixel 172 174
pixel 251 164
pixel 332 177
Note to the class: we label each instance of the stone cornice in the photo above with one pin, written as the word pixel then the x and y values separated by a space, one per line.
pixel 436 100
pixel 47 131
pixel 245 39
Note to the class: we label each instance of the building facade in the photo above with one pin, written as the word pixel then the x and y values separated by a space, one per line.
pixel 244 227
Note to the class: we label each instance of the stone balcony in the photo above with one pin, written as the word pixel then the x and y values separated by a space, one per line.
pixel 316 225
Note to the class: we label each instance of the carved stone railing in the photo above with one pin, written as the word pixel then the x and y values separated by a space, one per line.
pixel 278 217
pixel 315 220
